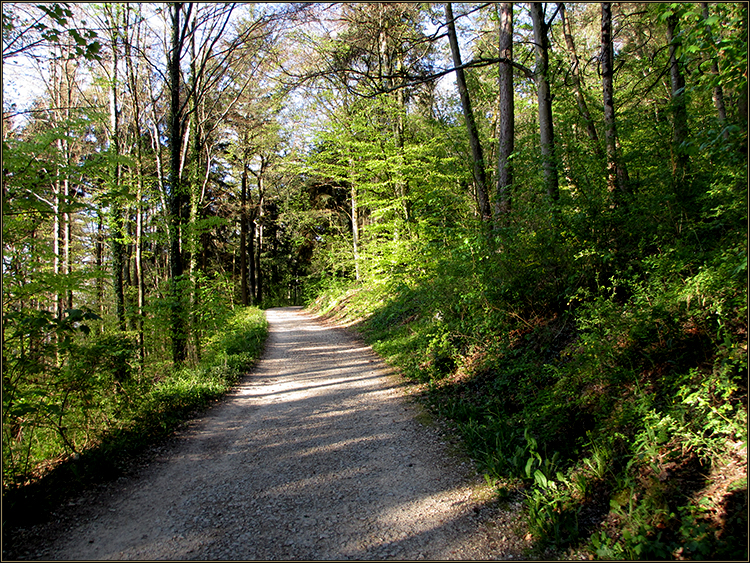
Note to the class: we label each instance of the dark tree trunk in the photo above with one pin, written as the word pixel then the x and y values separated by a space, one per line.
pixel 176 197
pixel 718 93
pixel 480 178
pixel 258 270
pixel 575 69
pixel 544 97
pixel 251 256
pixel 118 248
pixel 506 110
pixel 99 253
pixel 680 159
pixel 616 175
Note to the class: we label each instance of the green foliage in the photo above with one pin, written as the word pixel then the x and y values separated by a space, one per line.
pixel 96 400
pixel 624 369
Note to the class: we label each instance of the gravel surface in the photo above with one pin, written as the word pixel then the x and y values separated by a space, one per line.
pixel 317 454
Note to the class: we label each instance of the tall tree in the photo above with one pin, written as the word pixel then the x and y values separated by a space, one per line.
pixel 718 91
pixel 506 110
pixel 680 130
pixel 575 70
pixel 544 99
pixel 177 199
pixel 616 174
pixel 132 33
pixel 114 24
pixel 480 177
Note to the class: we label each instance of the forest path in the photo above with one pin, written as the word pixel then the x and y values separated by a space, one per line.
pixel 315 455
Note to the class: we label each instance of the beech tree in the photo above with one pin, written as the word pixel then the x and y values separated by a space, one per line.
pixel 575 69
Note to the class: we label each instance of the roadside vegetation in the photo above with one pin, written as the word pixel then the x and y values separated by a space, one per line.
pixel 103 409
pixel 610 390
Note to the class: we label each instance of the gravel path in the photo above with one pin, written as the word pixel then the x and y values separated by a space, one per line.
pixel 315 455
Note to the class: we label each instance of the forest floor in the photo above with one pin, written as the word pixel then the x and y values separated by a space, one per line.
pixel 317 454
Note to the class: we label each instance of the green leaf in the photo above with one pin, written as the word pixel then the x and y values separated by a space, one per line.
pixel 712 20
pixel 541 479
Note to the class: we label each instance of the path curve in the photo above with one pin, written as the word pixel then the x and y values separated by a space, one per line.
pixel 315 455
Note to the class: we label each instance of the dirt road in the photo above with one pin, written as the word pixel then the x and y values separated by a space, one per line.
pixel 315 455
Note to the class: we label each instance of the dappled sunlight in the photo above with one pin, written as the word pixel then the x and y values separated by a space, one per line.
pixel 313 456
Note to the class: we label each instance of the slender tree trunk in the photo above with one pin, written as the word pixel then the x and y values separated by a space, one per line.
pixel 401 182
pixel 69 76
pixel 196 144
pixel 680 159
pixel 243 237
pixel 258 268
pixel 67 223
pixel 544 97
pixel 118 247
pixel 57 237
pixel 99 251
pixel 58 196
pixel 355 219
pixel 140 279
pixel 718 93
pixel 259 250
pixel 251 257
pixel 139 274
pixel 176 198
pixel 506 110
pixel 577 84
pixel 477 155
pixel 616 174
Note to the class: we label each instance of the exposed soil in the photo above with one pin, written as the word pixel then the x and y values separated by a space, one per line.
pixel 317 454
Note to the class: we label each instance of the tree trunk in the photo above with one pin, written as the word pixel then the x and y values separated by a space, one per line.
pixel 718 93
pixel 401 183
pixel 99 252
pixel 67 223
pixel 251 256
pixel 680 159
pixel 243 237
pixel 575 69
pixel 58 199
pixel 190 237
pixel 57 236
pixel 616 175
pixel 506 110
pixel 175 195
pixel 355 219
pixel 476 148
pixel 544 97
pixel 258 269
pixel 259 229
pixel 118 248
pixel 139 274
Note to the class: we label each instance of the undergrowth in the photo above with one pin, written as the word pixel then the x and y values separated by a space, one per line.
pixel 609 385
pixel 109 417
